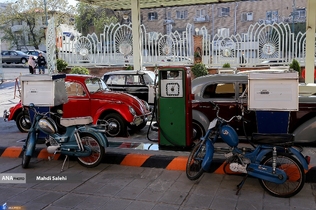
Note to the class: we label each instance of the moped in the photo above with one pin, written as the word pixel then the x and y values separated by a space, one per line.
pixel 271 158
pixel 80 139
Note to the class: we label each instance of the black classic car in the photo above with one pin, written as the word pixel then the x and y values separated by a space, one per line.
pixel 137 83
pixel 226 91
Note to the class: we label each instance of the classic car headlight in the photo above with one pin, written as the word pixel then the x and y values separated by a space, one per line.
pixel 131 110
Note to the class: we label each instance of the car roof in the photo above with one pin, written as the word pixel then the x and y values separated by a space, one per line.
pixel 219 78
pixel 79 77
pixel 127 72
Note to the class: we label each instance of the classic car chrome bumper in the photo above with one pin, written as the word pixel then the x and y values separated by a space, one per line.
pixel 6 115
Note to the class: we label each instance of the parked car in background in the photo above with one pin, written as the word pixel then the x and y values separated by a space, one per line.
pixel 35 53
pixel 226 90
pixel 138 83
pixel 11 56
pixel 89 96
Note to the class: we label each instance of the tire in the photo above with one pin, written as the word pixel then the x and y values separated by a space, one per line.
pixel 97 149
pixel 194 168
pixel 117 126
pixel 294 171
pixel 23 122
pixel 23 61
pixel 198 130
pixel 25 158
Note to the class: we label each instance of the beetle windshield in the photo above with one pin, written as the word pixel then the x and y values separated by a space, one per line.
pixel 95 84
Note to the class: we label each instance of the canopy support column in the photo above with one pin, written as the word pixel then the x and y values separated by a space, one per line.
pixel 310 41
pixel 137 49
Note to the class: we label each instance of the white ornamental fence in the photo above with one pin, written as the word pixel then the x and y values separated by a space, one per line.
pixel 261 43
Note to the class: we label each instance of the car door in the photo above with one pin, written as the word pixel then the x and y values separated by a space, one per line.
pixel 14 57
pixel 136 86
pixel 78 104
pixel 116 82
pixel 224 95
pixel 5 56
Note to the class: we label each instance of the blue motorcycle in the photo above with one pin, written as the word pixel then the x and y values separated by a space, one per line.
pixel 80 138
pixel 272 158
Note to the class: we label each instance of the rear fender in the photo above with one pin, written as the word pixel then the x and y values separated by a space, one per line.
pixel 306 131
pixel 98 135
pixel 300 157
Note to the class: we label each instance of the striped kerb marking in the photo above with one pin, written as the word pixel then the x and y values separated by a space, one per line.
pixel 144 160
pixel 12 152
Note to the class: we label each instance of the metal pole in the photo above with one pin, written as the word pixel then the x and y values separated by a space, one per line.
pixel 293 15
pixel 45 13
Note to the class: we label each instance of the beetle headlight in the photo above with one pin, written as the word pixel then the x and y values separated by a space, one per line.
pixel 131 110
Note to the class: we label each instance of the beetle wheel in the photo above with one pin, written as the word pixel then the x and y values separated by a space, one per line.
pixel 117 125
pixel 23 122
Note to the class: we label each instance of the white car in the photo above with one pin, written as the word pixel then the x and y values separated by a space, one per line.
pixel 139 83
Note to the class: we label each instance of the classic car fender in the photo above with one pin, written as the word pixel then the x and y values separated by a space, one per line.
pixel 14 111
pixel 122 109
pixel 201 118
pixel 306 131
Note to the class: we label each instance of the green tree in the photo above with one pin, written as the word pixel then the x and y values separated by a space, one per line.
pixel 28 16
pixel 92 18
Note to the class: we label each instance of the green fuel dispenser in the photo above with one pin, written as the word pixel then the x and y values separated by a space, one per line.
pixel 174 108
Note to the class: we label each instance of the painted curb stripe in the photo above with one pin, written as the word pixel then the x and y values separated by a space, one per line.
pixel 134 160
pixel 178 163
pixel 142 160
pixel 12 152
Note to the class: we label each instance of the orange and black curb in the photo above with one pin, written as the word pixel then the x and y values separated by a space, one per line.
pixel 141 160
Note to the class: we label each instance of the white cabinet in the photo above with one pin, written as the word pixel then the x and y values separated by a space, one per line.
pixel 273 91
pixel 43 90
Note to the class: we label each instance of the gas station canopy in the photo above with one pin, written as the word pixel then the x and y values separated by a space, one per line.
pixel 126 4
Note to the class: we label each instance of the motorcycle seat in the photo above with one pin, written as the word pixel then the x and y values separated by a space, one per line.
pixel 66 122
pixel 272 138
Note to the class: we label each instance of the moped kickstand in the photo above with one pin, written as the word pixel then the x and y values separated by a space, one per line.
pixel 239 186
pixel 62 167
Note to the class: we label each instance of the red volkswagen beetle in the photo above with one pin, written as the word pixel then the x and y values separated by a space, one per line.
pixel 89 96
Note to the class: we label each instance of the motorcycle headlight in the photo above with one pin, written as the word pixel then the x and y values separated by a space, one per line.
pixel 132 111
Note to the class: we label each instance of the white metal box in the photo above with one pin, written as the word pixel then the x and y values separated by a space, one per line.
pixel 43 90
pixel 273 91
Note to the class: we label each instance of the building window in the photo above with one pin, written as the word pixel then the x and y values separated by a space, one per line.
pixel 223 11
pixel 246 16
pixel 182 14
pixel 168 15
pixel 300 13
pixel 200 13
pixel 152 16
pixel 272 15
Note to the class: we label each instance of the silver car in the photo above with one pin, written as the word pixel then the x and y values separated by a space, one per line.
pixel 11 56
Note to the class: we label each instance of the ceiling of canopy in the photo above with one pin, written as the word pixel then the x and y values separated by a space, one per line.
pixel 126 4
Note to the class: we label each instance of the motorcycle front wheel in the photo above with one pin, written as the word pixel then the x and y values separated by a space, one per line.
pixel 97 151
pixel 25 158
pixel 295 176
pixel 194 168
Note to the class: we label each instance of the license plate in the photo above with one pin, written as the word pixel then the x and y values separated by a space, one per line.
pixel 138 121
pixel 212 124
